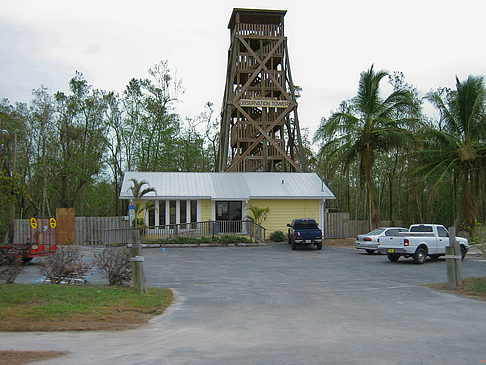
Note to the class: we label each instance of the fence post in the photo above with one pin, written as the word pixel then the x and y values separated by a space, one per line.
pixel 457 262
pixel 453 259
pixel 137 264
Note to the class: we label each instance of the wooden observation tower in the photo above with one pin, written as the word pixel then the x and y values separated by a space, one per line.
pixel 259 121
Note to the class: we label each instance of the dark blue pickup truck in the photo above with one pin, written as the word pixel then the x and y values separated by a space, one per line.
pixel 304 232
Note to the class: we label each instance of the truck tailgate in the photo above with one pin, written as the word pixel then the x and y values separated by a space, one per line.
pixel 308 234
pixel 391 242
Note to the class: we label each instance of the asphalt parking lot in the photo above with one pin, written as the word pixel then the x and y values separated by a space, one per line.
pixel 272 305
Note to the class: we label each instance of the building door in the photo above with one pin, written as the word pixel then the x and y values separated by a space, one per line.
pixel 230 216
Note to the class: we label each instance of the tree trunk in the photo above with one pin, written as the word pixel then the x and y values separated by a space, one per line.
pixel 373 216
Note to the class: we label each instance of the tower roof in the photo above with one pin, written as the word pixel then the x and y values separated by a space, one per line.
pixel 256 16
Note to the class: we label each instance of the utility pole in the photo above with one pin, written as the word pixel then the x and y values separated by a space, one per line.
pixel 12 207
pixel 12 203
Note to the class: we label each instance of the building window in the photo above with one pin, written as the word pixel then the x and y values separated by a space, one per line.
pixel 172 210
pixel 193 211
pixel 162 213
pixel 183 211
pixel 229 211
pixel 151 217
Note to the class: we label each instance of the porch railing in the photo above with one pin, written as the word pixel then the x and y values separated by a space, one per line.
pixel 122 236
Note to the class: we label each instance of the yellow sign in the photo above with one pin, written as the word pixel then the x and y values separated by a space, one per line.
pixel 265 103
pixel 33 223
pixel 52 222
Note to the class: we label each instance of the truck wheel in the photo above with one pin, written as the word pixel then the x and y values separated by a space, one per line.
pixel 294 245
pixel 420 255
pixel 27 259
pixel 319 246
pixel 463 252
pixel 393 257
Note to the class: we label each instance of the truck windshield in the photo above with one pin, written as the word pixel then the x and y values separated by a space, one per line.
pixel 305 225
pixel 421 229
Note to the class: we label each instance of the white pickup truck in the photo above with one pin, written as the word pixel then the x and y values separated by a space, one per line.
pixel 420 241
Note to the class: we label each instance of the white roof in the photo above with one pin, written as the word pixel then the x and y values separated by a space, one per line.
pixel 229 185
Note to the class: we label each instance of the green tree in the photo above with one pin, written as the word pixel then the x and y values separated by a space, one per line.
pixel 43 139
pixel 114 138
pixel 81 141
pixel 11 190
pixel 158 128
pixel 455 149
pixel 364 127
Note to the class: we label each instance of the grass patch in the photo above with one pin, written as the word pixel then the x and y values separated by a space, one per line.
pixel 41 307
pixel 471 287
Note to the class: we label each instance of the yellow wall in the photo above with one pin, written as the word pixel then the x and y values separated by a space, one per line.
pixel 205 210
pixel 284 210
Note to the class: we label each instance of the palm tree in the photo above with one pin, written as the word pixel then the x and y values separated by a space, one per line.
pixel 456 150
pixel 138 193
pixel 259 214
pixel 364 127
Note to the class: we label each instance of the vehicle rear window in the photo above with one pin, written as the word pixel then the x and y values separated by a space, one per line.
pixel 305 225
pixel 421 229
pixel 376 232
pixel 394 231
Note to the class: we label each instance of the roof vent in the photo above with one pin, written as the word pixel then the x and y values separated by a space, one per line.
pixel 283 181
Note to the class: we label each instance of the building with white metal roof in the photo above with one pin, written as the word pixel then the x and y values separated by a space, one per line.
pixel 183 197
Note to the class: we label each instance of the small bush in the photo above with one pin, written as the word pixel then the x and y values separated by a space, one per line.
pixel 277 236
pixel 198 240
pixel 10 267
pixel 114 262
pixel 64 266
pixel 231 239
pixel 204 240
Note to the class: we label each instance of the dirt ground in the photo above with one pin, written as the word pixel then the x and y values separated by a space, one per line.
pixel 25 357
pixel 339 242
pixel 123 320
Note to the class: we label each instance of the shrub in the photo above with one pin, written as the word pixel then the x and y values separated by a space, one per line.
pixel 277 236
pixel 114 262
pixel 231 239
pixel 196 240
pixel 10 267
pixel 64 266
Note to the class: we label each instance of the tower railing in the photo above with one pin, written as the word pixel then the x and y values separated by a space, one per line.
pixel 259 30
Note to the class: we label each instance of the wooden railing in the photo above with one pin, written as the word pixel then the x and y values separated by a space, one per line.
pixel 123 236
pixel 259 30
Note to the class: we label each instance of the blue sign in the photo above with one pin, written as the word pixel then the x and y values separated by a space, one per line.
pixel 131 207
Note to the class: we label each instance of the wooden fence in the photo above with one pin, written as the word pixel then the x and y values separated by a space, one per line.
pixel 90 230
pixel 338 225
pixel 87 230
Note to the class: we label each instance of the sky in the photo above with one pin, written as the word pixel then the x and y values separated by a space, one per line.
pixel 330 43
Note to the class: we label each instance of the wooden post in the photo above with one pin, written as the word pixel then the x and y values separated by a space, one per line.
pixel 451 268
pixel 137 264
pixel 457 253
pixel 453 258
